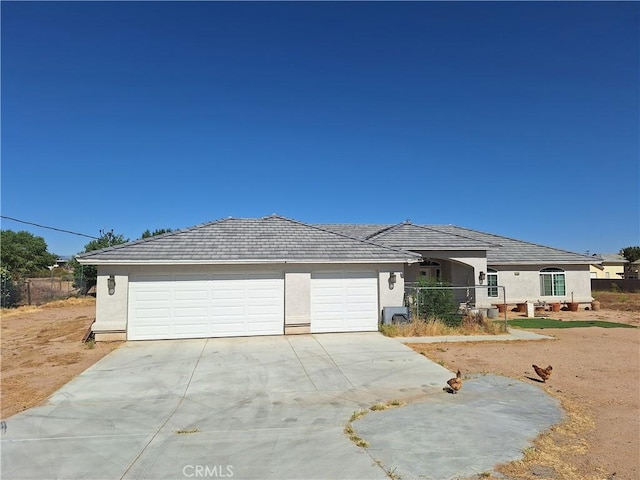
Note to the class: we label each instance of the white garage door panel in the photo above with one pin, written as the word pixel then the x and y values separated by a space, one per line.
pixel 344 302
pixel 199 306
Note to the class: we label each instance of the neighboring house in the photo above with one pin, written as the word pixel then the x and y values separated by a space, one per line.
pixel 273 275
pixel 613 266
pixel 633 271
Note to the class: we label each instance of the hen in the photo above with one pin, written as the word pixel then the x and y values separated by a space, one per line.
pixel 455 383
pixel 543 373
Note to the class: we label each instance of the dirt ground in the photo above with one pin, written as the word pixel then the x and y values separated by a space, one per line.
pixel 42 350
pixel 596 376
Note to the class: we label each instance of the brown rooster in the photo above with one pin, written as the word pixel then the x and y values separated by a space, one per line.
pixel 455 383
pixel 543 373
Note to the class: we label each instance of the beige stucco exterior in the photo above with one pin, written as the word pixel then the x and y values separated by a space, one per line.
pixel 607 270
pixel 522 284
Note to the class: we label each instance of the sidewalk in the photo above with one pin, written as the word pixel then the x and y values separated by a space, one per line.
pixel 514 334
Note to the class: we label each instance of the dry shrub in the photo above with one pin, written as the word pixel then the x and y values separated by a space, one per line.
pixel 71 302
pixel 13 312
pixel 478 324
pixel 433 327
pixel 622 301
pixel 418 328
pixel 67 302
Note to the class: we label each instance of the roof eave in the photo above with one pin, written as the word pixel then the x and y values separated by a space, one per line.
pixel 279 261
pixel 541 262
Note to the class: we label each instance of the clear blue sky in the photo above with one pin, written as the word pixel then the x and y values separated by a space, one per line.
pixel 520 119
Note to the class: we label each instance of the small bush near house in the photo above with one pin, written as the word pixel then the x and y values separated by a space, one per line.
pixel 433 300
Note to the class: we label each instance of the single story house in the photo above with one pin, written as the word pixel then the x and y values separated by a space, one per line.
pixel 274 275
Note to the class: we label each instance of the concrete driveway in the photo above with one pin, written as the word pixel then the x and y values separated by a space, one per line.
pixel 266 408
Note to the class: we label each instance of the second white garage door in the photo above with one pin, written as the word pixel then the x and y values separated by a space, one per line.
pixel 344 302
pixel 201 305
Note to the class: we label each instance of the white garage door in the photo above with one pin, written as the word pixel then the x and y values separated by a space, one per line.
pixel 200 306
pixel 344 302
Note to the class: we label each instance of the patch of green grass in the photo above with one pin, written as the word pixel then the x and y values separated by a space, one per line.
pixel 551 323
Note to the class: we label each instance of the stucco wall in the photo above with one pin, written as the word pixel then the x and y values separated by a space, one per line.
pixel 111 310
pixel 297 298
pixel 522 283
pixel 391 296
pixel 608 271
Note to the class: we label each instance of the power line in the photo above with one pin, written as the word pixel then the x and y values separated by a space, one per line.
pixel 50 228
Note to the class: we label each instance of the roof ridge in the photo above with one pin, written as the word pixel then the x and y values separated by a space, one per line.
pixel 434 228
pixel 385 230
pixel 361 240
pixel 427 227
pixel 523 241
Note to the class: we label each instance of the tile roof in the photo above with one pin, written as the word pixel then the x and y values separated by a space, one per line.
pixel 422 237
pixel 509 251
pixel 500 250
pixel 611 258
pixel 272 239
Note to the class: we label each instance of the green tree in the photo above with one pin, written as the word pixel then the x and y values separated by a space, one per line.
pixel 23 253
pixel 434 300
pixel 10 292
pixel 631 253
pixel 86 276
pixel 157 231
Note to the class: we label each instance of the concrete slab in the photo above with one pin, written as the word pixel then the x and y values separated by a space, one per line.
pixel 514 334
pixel 490 421
pixel 267 408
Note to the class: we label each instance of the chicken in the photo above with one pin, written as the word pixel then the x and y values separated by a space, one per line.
pixel 455 383
pixel 543 373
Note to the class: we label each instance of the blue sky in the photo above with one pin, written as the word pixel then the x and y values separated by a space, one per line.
pixel 515 118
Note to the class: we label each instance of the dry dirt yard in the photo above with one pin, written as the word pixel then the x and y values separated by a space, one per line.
pixel 42 350
pixel 596 376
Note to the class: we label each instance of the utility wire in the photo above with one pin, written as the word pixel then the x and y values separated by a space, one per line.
pixel 50 228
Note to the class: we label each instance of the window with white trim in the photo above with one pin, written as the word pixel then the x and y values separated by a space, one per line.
pixel 492 282
pixel 552 282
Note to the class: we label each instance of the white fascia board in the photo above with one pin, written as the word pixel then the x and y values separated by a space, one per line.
pixel 541 263
pixel 240 262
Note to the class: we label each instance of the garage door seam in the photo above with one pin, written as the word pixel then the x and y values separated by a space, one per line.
pixel 184 394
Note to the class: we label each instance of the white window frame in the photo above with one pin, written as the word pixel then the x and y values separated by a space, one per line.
pixel 555 278
pixel 492 283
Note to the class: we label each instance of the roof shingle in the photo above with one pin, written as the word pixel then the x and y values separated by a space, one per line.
pixel 270 239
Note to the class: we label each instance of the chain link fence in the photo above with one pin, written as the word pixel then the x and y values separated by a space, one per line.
pixel 36 291
pixel 451 304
